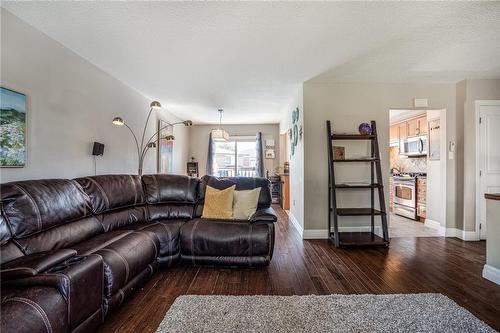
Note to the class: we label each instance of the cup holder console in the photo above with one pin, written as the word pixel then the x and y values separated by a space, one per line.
pixel 74 260
pixel 70 262
pixel 58 268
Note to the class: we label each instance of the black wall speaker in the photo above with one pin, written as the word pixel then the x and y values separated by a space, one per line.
pixel 98 149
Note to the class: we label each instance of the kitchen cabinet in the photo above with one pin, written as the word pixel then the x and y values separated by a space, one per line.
pixel 412 126
pixel 285 192
pixel 421 197
pixel 422 125
pixel 394 135
pixel 417 126
pixel 403 130
pixel 407 129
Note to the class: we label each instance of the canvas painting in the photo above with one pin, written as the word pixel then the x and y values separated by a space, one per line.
pixel 12 128
pixel 165 148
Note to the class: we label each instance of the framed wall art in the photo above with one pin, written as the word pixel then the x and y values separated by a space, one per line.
pixel 12 129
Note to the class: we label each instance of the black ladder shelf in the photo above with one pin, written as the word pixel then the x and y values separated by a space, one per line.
pixel 344 239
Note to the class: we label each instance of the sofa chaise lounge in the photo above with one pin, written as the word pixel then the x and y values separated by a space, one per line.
pixel 73 250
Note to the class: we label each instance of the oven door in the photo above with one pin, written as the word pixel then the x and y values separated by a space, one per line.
pixel 405 211
pixel 404 193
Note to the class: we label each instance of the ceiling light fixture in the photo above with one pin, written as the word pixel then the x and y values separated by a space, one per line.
pixel 220 134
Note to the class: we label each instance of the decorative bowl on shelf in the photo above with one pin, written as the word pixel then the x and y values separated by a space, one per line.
pixel 365 129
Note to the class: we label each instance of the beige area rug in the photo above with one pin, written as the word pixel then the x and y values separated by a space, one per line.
pixel 332 313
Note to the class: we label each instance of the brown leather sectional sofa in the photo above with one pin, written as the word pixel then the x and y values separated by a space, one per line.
pixel 72 250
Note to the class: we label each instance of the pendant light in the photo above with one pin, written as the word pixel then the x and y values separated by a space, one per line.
pixel 219 134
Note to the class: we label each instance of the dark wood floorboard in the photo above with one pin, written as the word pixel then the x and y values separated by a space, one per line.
pixel 411 265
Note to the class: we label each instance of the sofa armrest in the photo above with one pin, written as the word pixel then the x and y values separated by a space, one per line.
pixel 264 215
pixel 79 280
pixel 34 264
pixel 33 309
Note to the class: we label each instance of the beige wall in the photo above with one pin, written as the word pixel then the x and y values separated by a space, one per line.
pixel 297 159
pixel 199 135
pixel 347 105
pixel 70 104
pixel 475 90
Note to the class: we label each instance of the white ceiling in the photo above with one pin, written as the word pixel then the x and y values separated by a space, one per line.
pixel 250 57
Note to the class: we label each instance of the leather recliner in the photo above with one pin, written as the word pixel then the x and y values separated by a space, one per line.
pixel 72 250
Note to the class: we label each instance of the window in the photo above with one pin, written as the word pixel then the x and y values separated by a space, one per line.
pixel 236 157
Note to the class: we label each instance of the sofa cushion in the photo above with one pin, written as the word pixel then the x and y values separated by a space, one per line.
pixel 241 183
pixel 201 237
pixel 37 205
pixel 170 211
pixel 170 189
pixel 125 254
pixel 245 203
pixel 119 218
pixel 167 231
pixel 62 236
pixel 218 203
pixel 109 192
pixel 5 234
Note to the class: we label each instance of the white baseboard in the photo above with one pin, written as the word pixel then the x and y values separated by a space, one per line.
pixel 463 235
pixel 432 224
pixel 323 233
pixel 315 234
pixel 435 225
pixel 469 236
pixel 296 224
pixel 491 273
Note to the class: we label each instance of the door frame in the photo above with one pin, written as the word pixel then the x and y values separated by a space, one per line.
pixel 478 104
pixel 441 226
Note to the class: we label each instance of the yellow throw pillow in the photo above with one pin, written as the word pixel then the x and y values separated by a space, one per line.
pixel 218 203
pixel 245 203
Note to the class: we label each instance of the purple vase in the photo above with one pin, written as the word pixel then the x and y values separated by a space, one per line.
pixel 365 129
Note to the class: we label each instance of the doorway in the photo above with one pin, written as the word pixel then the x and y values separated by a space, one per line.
pixel 487 158
pixel 417 180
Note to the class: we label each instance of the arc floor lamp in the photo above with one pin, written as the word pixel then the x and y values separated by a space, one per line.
pixel 144 147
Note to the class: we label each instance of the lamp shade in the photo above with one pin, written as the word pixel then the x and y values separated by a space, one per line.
pixel 118 121
pixel 220 135
pixel 155 105
pixel 169 138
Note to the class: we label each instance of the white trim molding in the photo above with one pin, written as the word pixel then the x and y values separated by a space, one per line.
pixel 479 196
pixel 446 232
pixel 295 223
pixel 491 273
pixel 435 225
pixel 463 235
pixel 315 234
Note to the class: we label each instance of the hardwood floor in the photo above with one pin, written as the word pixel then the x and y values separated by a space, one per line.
pixel 411 265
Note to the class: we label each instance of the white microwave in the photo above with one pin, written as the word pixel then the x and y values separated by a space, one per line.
pixel 416 146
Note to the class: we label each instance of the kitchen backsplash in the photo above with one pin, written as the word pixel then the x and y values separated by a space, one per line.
pixel 407 164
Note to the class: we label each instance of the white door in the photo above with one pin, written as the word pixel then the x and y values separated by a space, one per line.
pixel 489 157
